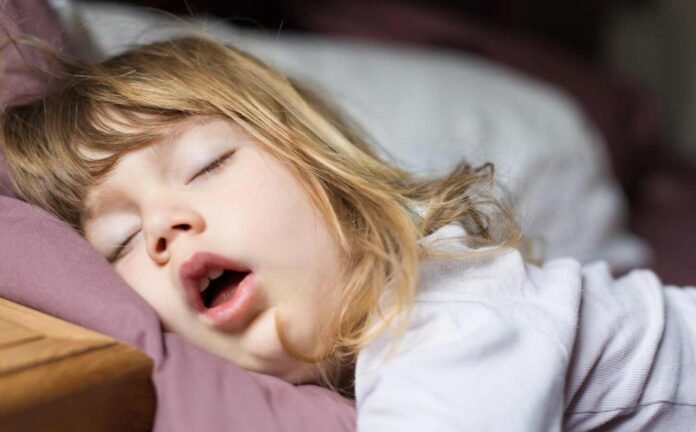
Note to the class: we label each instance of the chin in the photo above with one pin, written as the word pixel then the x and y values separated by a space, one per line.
pixel 288 369
pixel 303 374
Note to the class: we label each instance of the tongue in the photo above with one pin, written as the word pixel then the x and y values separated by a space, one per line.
pixel 226 288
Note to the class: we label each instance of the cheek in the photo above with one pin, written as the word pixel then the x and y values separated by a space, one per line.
pixel 145 281
pixel 266 204
pixel 302 323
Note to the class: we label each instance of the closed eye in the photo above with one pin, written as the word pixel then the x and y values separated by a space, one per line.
pixel 214 165
pixel 116 254
pixel 217 163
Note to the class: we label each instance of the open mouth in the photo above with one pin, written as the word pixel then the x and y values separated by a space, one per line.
pixel 220 287
pixel 222 291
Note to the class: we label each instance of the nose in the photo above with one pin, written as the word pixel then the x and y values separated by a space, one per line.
pixel 164 225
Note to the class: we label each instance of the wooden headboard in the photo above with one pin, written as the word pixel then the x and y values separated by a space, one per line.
pixel 57 376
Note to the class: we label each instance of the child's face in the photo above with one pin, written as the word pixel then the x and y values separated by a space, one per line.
pixel 246 212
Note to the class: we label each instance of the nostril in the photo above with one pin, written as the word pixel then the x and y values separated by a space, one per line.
pixel 161 245
pixel 182 227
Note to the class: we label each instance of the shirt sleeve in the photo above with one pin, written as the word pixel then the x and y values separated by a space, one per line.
pixel 488 372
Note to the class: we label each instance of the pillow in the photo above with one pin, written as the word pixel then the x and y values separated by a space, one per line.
pixel 47 266
pixel 431 109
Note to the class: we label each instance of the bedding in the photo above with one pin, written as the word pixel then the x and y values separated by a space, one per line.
pixel 48 267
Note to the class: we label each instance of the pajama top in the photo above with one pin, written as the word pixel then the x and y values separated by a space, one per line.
pixel 495 344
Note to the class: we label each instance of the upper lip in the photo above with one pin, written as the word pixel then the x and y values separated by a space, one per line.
pixel 197 267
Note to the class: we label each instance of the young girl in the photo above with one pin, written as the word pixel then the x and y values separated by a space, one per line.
pixel 260 226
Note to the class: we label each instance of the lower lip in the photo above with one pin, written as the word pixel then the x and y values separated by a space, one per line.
pixel 237 307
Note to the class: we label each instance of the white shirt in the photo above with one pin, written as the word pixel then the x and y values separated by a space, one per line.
pixel 495 344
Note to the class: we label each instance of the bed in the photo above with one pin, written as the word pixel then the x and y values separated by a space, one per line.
pixel 546 152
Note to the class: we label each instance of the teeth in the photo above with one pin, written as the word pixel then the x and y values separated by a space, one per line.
pixel 203 284
pixel 214 274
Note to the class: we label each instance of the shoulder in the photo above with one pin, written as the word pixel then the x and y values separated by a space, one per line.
pixel 545 298
pixel 499 268
pixel 485 298
pixel 479 323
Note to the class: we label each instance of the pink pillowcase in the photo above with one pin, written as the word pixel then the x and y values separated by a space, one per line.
pixel 47 266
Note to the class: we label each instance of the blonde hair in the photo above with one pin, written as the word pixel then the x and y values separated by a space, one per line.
pixel 367 203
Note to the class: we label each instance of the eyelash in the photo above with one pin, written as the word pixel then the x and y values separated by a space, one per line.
pixel 116 254
pixel 211 167
pixel 214 165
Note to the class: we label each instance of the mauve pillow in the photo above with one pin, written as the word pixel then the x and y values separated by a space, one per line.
pixel 47 266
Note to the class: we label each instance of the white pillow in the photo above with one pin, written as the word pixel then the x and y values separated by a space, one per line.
pixel 430 109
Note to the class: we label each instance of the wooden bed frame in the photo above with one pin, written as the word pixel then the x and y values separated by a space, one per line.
pixel 56 376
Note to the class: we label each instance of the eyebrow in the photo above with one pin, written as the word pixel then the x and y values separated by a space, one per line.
pixel 96 206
